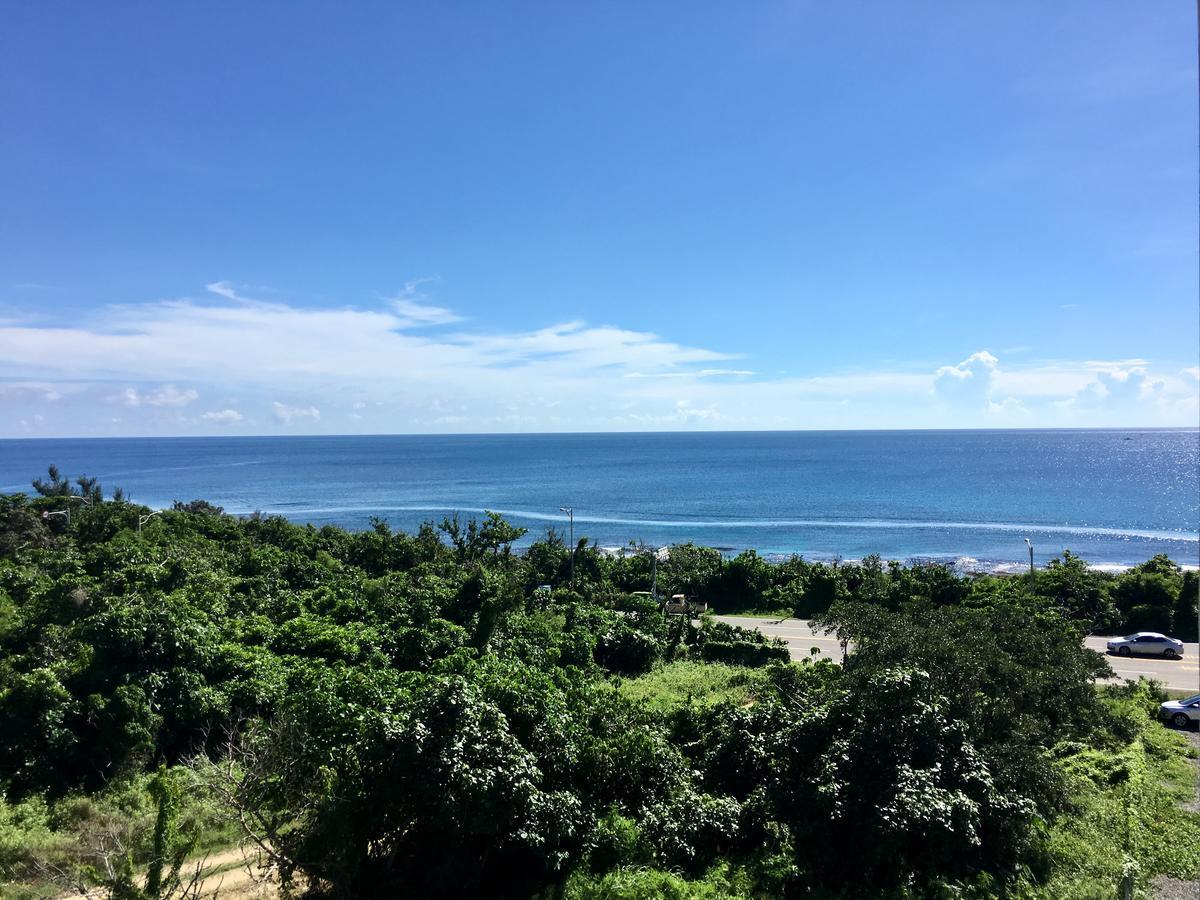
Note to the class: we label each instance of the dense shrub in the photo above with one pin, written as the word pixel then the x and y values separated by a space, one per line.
pixel 742 653
pixel 383 709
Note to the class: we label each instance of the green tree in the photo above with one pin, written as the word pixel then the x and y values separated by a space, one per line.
pixel 1184 622
pixel 1146 599
pixel 54 485
pixel 689 569
pixel 1077 591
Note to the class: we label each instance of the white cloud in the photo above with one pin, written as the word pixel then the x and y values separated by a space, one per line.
pixel 1007 406
pixel 285 414
pixel 698 373
pixel 683 414
pixel 413 311
pixel 222 416
pixel 968 382
pixel 565 376
pixel 978 365
pixel 1194 372
pixel 268 344
pixel 167 395
pixel 231 291
pixel 222 289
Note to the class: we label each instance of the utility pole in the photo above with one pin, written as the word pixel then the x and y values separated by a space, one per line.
pixel 654 575
pixel 571 517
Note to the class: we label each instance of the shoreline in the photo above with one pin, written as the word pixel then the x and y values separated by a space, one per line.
pixel 961 565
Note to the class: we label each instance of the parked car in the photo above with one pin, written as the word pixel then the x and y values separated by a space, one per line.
pixel 1181 713
pixel 1147 643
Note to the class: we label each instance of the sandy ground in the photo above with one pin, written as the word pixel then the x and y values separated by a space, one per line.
pixel 234 874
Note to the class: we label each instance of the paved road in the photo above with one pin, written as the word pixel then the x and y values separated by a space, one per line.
pixel 1180 674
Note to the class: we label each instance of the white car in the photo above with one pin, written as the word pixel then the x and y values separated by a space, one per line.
pixel 1147 643
pixel 1181 713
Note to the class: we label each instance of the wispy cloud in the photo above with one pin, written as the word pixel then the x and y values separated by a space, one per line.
pixel 698 373
pixel 410 306
pixel 386 368
pixel 222 416
pixel 167 395
pixel 225 289
pixel 287 414
pixel 43 392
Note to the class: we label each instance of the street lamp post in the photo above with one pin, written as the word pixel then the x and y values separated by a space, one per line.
pixel 86 501
pixel 1029 544
pixel 571 518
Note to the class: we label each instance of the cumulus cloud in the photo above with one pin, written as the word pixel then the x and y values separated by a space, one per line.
pixel 969 381
pixel 978 365
pixel 286 414
pixel 167 395
pixel 1119 385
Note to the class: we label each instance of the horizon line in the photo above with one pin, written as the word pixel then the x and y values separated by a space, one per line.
pixel 383 434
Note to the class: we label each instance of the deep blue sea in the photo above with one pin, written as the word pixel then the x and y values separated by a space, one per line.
pixel 1114 497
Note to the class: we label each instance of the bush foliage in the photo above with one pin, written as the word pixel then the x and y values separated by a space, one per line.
pixel 382 709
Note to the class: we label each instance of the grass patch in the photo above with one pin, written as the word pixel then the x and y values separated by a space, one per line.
pixel 684 681
pixel 719 883
pixel 762 613
pixel 1126 810
pixel 47 847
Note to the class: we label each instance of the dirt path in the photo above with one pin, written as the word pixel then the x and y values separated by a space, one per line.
pixel 239 874
pixel 234 874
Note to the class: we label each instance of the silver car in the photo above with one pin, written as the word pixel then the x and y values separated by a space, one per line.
pixel 1147 643
pixel 1181 713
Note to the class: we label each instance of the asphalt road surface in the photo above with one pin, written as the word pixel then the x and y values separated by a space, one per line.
pixel 1175 674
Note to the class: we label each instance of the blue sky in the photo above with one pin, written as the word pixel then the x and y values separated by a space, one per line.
pixel 299 218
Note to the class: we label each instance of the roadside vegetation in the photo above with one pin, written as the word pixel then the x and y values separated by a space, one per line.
pixel 384 714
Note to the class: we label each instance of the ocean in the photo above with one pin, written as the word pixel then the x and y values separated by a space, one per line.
pixel 969 497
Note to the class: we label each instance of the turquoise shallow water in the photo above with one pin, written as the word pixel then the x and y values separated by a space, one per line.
pixel 1115 497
